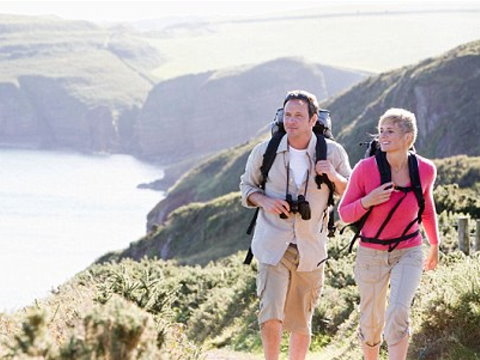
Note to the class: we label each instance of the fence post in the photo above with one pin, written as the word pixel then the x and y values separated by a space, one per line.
pixel 463 235
pixel 477 236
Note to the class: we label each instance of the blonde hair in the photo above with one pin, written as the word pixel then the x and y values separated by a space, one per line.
pixel 404 119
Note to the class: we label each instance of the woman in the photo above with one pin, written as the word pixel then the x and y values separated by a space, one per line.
pixel 395 256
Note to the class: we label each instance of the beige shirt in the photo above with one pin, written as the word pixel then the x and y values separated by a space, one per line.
pixel 273 234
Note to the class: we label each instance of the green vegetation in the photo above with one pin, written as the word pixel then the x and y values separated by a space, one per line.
pixel 153 308
pixel 158 309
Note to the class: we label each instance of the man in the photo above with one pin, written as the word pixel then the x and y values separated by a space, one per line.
pixel 290 249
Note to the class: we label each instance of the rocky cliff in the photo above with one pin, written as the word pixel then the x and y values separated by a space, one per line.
pixel 200 114
pixel 70 84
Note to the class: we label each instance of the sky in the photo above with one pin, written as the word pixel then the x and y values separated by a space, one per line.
pixel 120 11
pixel 140 10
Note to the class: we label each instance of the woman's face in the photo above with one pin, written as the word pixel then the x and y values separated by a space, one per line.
pixel 392 137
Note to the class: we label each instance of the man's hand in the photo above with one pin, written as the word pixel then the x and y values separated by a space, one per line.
pixel 326 167
pixel 270 205
pixel 431 261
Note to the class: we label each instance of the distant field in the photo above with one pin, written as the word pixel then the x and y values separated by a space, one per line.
pixel 371 42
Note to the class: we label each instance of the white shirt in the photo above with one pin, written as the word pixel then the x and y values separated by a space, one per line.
pixel 299 164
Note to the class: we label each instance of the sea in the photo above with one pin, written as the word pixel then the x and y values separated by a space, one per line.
pixel 61 211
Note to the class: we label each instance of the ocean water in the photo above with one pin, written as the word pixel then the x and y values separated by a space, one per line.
pixel 59 212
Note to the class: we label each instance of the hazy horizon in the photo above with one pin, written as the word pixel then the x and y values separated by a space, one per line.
pixel 130 11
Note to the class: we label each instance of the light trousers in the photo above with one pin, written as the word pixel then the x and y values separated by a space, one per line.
pixel 374 271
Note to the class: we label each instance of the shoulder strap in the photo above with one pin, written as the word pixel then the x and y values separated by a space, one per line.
pixel 416 184
pixel 268 159
pixel 383 167
pixel 269 156
pixel 321 154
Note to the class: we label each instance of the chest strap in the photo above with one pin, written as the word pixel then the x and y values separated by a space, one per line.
pixel 393 243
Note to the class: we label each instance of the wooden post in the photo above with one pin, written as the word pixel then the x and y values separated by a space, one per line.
pixel 463 235
pixel 477 236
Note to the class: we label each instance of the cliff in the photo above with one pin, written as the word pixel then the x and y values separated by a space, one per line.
pixel 199 114
pixel 70 84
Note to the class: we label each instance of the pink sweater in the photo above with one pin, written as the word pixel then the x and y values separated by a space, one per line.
pixel 366 177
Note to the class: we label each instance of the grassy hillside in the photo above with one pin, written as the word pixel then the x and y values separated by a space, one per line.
pixel 216 176
pixel 440 91
pixel 157 309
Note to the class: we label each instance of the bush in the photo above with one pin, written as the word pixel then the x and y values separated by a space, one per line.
pixel 447 310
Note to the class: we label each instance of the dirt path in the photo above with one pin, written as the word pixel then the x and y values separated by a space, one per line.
pixel 231 355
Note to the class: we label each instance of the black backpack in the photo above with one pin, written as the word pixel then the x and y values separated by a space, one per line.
pixel 322 130
pixel 385 177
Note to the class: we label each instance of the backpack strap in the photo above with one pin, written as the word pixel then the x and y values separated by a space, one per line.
pixel 268 159
pixel 383 167
pixel 416 184
pixel 321 154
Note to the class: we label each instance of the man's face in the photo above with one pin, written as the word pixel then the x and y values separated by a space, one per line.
pixel 296 119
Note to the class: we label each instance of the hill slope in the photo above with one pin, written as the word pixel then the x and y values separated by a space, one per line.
pixel 199 114
pixel 440 91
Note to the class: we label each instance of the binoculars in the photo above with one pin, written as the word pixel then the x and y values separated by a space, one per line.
pixel 300 206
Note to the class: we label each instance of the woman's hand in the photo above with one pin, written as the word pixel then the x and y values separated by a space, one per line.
pixel 431 261
pixel 378 196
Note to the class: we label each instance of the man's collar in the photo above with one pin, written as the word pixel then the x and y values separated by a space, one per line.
pixel 283 146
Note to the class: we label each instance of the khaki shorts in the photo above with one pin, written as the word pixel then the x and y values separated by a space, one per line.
pixel 288 295
pixel 374 271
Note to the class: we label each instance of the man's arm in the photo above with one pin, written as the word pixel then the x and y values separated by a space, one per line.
pixel 251 178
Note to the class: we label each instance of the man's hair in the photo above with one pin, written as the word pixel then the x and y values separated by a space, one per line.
pixel 404 119
pixel 305 96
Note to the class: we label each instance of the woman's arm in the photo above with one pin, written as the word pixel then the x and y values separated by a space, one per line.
pixel 350 208
pixel 429 219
